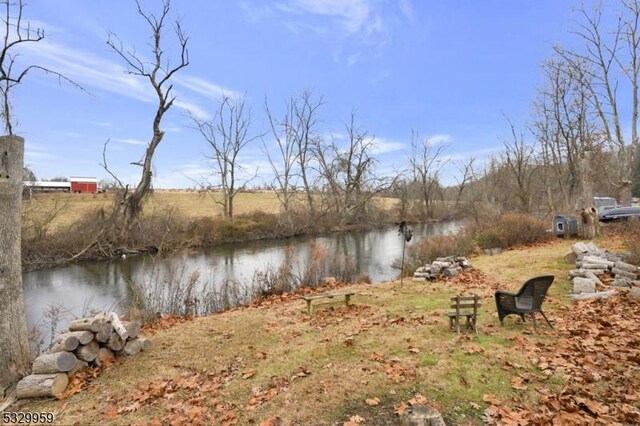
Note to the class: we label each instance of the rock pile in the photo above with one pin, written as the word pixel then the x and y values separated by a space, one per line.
pixel 95 340
pixel 442 266
pixel 593 263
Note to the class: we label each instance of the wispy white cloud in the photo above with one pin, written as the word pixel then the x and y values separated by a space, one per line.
pixel 349 16
pixel 333 136
pixel 97 74
pixel 205 87
pixel 406 7
pixel 480 154
pixel 439 139
pixel 354 59
pixel 129 141
pixel 382 146
pixel 368 23
pixel 88 70
pixel 193 108
pixel 34 153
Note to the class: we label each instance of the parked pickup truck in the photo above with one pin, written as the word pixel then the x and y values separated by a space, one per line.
pixel 619 213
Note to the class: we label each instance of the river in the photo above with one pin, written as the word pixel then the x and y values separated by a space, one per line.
pixel 56 295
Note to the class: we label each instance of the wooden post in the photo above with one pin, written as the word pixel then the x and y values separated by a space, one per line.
pixel 14 344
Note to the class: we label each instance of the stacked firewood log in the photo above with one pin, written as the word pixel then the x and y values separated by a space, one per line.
pixel 592 264
pixel 90 341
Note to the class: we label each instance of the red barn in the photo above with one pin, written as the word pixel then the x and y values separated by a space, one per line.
pixel 84 184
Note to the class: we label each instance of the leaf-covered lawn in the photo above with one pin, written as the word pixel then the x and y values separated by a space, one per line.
pixel 271 363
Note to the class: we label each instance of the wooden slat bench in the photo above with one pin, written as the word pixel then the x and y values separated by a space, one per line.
pixel 467 307
pixel 346 294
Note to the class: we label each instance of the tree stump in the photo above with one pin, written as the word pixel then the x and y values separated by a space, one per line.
pixel 421 415
pixel 588 224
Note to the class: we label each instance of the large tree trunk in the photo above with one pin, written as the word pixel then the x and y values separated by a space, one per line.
pixel 14 345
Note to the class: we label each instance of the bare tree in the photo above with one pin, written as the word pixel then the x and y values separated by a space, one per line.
pixel 467 176
pixel 609 53
pixel 565 125
pixel 303 124
pixel 284 163
pixel 295 137
pixel 349 173
pixel 14 346
pixel 227 134
pixel 159 73
pixel 519 158
pixel 426 164
pixel 16 33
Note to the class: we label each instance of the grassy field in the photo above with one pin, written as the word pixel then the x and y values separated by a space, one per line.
pixel 72 207
pixel 393 347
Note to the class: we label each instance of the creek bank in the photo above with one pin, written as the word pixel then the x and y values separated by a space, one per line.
pixel 57 250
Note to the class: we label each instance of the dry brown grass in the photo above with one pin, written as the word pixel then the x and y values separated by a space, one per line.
pixel 189 203
pixel 393 343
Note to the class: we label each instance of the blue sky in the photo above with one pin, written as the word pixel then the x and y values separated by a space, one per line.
pixel 447 69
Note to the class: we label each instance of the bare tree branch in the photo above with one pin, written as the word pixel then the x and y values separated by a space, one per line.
pixel 8 77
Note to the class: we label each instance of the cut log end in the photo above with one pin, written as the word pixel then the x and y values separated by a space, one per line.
pixel 41 385
pixel 145 343
pixel 132 347
pixel 54 363
pixel 88 352
pixel 133 328
pixel 85 324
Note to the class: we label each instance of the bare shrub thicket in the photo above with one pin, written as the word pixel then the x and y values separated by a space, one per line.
pixel 95 235
pixel 38 217
pixel 313 272
pixel 170 287
pixel 506 231
pixel 633 242
pixel 513 230
pixel 628 232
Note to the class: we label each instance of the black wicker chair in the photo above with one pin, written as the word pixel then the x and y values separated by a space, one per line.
pixel 526 301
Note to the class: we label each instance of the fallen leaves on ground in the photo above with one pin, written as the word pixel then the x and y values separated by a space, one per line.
pixel 355 421
pixel 163 323
pixel 418 399
pixel 189 398
pixel 81 381
pixel 372 401
pixel 475 280
pixel 598 353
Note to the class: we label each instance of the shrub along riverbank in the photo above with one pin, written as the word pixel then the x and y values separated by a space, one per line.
pixel 61 228
pixel 271 362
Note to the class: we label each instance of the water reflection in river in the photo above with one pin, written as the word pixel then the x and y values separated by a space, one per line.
pixel 75 289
